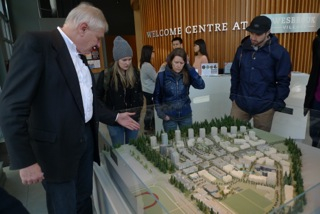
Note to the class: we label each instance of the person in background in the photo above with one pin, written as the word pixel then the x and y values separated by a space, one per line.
pixel 120 89
pixel 312 98
pixel 171 94
pixel 148 76
pixel 201 55
pixel 260 76
pixel 49 113
pixel 176 42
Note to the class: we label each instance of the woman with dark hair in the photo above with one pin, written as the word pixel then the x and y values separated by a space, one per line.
pixel 201 54
pixel 171 94
pixel 148 77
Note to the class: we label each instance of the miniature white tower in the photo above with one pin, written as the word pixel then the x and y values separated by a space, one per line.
pixel 224 130
pixel 214 131
pixel 252 134
pixel 190 133
pixel 233 130
pixel 202 132
pixel 164 139
pixel 153 141
pixel 177 135
pixel 243 129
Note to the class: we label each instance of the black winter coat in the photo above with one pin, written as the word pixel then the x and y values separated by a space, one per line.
pixel 123 99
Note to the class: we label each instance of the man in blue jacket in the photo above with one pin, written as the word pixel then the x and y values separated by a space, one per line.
pixel 260 76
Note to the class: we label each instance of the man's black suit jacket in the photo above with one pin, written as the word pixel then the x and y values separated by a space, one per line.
pixel 41 110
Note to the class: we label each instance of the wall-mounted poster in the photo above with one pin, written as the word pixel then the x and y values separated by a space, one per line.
pixel 210 69
pixel 94 58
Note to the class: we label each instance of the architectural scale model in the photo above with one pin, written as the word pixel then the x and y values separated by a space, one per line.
pixel 229 170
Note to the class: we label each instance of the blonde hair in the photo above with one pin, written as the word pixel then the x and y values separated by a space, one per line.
pixel 128 79
pixel 85 12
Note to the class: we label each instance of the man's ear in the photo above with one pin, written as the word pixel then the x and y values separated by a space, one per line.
pixel 83 27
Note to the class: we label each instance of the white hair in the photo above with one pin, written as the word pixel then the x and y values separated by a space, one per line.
pixel 85 12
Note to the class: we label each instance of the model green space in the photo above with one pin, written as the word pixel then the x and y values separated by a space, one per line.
pixel 218 169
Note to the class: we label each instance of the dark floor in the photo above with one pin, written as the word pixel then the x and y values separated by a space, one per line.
pixel 32 197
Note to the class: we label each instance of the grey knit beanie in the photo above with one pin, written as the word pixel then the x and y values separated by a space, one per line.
pixel 121 49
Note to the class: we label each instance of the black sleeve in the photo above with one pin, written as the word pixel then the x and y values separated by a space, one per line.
pixel 99 87
pixel 106 115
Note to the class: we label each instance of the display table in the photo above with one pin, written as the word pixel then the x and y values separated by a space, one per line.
pixel 120 175
pixel 311 177
pixel 132 177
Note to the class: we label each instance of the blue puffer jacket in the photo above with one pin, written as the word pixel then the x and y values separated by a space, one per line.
pixel 171 96
pixel 260 79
